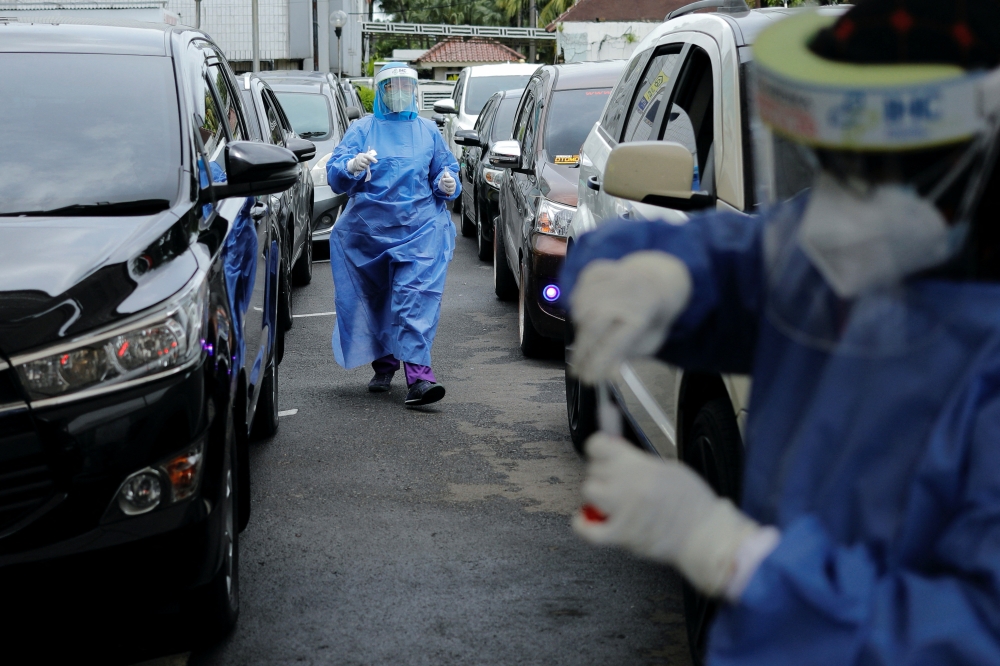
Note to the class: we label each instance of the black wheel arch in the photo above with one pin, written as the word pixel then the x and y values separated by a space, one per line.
pixel 697 389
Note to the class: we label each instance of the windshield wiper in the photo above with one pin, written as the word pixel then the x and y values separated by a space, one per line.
pixel 309 135
pixel 139 207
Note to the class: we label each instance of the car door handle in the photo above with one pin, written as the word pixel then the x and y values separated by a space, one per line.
pixel 594 183
pixel 258 211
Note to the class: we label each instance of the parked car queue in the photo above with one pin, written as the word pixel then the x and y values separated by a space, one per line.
pixel 144 293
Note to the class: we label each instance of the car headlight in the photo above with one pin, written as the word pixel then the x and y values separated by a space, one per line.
pixel 492 177
pixel 319 170
pixel 168 339
pixel 553 218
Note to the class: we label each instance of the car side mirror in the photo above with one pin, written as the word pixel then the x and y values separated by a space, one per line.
pixel 468 138
pixel 505 155
pixel 353 113
pixel 660 173
pixel 254 169
pixel 439 119
pixel 304 150
pixel 445 106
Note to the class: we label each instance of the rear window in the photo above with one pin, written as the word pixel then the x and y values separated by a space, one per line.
pixel 503 124
pixel 481 88
pixel 570 116
pixel 309 113
pixel 88 129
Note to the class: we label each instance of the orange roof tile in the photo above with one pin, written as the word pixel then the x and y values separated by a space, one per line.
pixel 454 49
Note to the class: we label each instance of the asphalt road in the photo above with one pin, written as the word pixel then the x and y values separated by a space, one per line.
pixel 381 535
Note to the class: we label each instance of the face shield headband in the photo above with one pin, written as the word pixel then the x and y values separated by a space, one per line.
pixel 395 91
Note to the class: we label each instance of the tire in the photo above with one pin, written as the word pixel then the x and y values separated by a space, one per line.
pixel 265 417
pixel 219 600
pixel 581 402
pixel 533 344
pixel 468 226
pixel 504 285
pixel 714 449
pixel 484 247
pixel 302 272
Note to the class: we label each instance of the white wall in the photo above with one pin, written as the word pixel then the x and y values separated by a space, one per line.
pixel 229 23
pixel 586 41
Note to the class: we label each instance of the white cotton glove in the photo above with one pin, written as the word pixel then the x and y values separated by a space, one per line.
pixel 361 161
pixel 662 510
pixel 447 183
pixel 625 308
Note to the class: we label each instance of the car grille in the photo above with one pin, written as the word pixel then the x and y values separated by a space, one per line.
pixel 428 98
pixel 25 484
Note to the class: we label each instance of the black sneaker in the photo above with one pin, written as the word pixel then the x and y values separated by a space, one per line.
pixel 380 382
pixel 423 393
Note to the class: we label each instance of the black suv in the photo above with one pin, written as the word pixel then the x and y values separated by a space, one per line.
pixel 291 210
pixel 138 309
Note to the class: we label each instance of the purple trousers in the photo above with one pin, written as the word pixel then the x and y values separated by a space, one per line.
pixel 414 372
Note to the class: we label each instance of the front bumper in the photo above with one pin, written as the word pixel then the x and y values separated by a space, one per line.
pixel 326 204
pixel 87 449
pixel 545 259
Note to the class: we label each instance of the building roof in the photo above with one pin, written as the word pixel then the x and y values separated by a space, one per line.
pixel 616 10
pixel 457 50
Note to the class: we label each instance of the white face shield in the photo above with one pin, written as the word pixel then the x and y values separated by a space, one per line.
pixel 396 89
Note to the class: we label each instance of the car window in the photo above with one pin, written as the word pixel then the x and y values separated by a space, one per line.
pixel 614 113
pixel 503 121
pixel 87 128
pixel 520 127
pixel 484 117
pixel 652 95
pixel 459 89
pixel 691 119
pixel 229 100
pixel 309 113
pixel 272 128
pixel 342 120
pixel 286 125
pixel 481 88
pixel 570 116
pixel 213 131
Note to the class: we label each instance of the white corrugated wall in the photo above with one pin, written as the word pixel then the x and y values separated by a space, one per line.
pixel 229 23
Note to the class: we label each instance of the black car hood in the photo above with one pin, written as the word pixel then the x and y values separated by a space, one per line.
pixel 559 183
pixel 60 277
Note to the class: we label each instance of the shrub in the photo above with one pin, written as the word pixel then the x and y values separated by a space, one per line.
pixel 367 96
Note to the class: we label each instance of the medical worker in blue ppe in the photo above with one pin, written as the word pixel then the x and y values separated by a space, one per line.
pixel 868 311
pixel 390 249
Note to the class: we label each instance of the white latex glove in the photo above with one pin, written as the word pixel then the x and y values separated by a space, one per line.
pixel 625 308
pixel 447 183
pixel 360 162
pixel 662 510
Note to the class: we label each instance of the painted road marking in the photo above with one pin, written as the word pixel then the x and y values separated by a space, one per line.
pixel 317 314
pixel 288 412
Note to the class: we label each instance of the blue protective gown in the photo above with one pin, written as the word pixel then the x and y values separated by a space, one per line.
pixel 390 248
pixel 883 474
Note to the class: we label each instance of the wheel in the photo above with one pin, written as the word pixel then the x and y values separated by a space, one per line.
pixel 219 600
pixel 468 226
pixel 504 285
pixel 714 449
pixel 265 417
pixel 285 297
pixel 533 343
pixel 483 245
pixel 581 401
pixel 302 272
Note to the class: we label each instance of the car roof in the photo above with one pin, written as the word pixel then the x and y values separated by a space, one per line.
pixel 745 25
pixel 75 35
pixel 294 74
pixel 600 74
pixel 503 69
pixel 286 85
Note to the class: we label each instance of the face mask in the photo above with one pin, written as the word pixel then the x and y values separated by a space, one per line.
pixel 860 242
pixel 398 100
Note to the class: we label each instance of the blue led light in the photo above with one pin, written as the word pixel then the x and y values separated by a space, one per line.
pixel 551 293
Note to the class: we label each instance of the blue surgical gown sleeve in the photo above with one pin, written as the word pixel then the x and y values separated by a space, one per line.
pixel 815 601
pixel 717 331
pixel 443 159
pixel 337 175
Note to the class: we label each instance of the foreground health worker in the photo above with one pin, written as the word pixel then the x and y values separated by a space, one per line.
pixel 390 249
pixel 868 311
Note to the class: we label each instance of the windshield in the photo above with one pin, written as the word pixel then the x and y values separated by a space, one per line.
pixel 503 123
pixel 309 113
pixel 481 88
pixel 574 113
pixel 82 129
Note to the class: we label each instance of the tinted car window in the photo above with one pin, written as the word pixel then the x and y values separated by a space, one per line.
pixel 571 115
pixel 691 120
pixel 229 101
pixel 81 129
pixel 651 97
pixel 309 113
pixel 273 126
pixel 614 114
pixel 503 125
pixel 482 87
